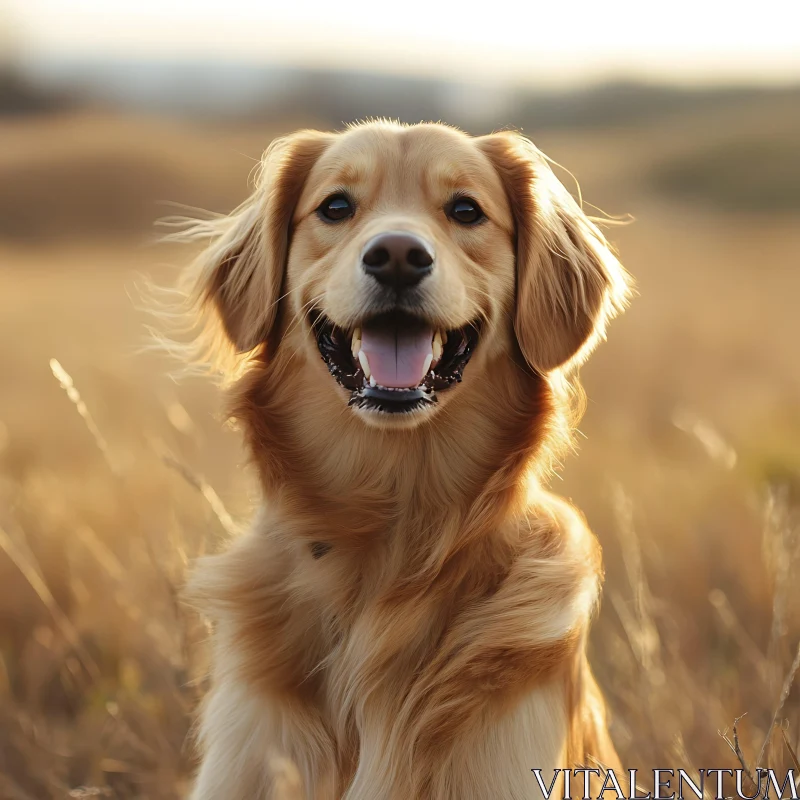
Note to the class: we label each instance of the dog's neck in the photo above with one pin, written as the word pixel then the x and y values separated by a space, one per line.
pixel 349 481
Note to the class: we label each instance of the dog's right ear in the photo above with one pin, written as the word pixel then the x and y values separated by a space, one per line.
pixel 241 272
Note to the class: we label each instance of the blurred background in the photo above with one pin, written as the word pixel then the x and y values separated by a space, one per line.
pixel 113 477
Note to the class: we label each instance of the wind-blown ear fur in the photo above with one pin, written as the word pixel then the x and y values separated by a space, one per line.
pixel 569 283
pixel 240 273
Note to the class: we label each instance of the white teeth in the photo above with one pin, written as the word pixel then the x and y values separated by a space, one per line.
pixel 372 381
pixel 436 348
pixel 362 359
pixel 355 345
pixel 427 366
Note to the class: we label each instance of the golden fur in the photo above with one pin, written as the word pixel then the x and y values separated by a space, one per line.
pixel 407 615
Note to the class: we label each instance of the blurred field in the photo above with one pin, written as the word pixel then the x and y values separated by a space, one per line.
pixel 689 471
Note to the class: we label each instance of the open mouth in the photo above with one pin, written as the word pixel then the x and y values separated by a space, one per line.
pixel 394 363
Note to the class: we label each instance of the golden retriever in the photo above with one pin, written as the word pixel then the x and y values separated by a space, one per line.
pixel 407 616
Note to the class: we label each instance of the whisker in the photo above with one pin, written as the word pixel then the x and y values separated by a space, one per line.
pixel 300 315
pixel 298 319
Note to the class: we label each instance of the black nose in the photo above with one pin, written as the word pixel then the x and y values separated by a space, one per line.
pixel 397 259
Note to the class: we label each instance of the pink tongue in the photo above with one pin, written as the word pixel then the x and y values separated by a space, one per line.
pixel 397 355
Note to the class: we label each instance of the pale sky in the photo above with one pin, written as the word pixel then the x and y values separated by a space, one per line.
pixel 551 41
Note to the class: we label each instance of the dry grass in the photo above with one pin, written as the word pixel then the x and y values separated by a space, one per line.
pixel 690 474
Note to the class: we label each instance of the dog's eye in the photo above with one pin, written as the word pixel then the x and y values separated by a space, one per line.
pixel 336 208
pixel 466 211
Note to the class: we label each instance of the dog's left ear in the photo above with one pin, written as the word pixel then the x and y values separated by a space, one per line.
pixel 569 283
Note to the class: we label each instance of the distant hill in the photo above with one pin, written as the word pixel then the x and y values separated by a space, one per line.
pixel 753 174
pixel 334 97
pixel 102 169
pixel 21 95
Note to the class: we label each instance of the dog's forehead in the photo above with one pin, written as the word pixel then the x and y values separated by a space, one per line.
pixel 431 157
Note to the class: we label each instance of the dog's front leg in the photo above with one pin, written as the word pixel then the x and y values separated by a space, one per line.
pixel 497 757
pixel 256 747
pixel 491 759
pixel 240 760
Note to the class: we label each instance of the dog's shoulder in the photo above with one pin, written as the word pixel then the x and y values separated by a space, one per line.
pixel 552 527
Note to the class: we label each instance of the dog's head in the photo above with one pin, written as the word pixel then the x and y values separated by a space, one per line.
pixel 409 259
